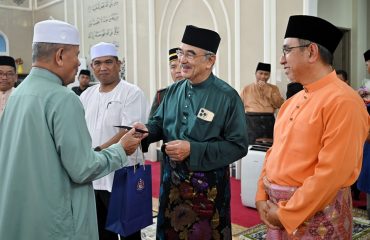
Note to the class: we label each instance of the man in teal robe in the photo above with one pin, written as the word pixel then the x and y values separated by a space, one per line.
pixel 46 159
pixel 202 123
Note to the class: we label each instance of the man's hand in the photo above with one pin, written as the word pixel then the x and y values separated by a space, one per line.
pixel 271 214
pixel 178 150
pixel 141 126
pixel 268 210
pixel 130 141
pixel 261 83
pixel 263 209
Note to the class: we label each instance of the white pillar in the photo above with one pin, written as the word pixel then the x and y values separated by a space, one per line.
pixel 237 45
pixel 310 7
pixel 134 44
pixel 269 36
pixel 125 36
pixel 152 151
pixel 238 165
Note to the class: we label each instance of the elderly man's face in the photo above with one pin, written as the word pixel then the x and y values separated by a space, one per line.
pixel 70 64
pixel 195 64
pixel 294 59
pixel 8 77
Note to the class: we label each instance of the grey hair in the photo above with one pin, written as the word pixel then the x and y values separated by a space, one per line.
pixel 45 51
pixel 326 55
pixel 207 54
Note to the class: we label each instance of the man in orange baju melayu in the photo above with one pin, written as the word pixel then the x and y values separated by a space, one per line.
pixel 303 190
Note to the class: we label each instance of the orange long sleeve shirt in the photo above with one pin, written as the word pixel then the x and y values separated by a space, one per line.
pixel 318 142
pixel 264 99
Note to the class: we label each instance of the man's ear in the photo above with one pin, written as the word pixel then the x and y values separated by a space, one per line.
pixel 59 56
pixel 313 52
pixel 211 60
pixel 119 62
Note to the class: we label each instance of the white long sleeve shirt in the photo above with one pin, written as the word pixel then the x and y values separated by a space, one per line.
pixel 3 99
pixel 124 105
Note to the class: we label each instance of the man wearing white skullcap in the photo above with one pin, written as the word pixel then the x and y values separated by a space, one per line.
pixel 112 102
pixel 46 160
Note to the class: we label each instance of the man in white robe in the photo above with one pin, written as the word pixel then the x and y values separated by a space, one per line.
pixel 111 103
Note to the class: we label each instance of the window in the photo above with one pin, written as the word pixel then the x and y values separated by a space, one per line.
pixel 4 46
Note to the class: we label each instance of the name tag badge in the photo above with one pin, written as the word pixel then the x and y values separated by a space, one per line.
pixel 205 115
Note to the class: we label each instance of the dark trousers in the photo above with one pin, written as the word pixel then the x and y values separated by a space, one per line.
pixel 259 125
pixel 102 202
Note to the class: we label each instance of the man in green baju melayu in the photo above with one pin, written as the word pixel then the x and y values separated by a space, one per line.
pixel 201 120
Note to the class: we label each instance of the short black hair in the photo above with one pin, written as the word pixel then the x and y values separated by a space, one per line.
pixel 84 72
pixel 343 73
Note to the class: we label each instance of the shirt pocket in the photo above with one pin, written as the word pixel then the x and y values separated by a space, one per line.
pixel 113 113
pixel 200 129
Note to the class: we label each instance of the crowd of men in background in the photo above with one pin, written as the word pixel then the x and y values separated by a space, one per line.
pixel 65 146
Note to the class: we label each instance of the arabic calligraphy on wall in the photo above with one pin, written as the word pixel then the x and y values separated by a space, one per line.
pixel 103 21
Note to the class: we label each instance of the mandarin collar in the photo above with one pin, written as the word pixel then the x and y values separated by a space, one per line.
pixel 331 77
pixel 203 84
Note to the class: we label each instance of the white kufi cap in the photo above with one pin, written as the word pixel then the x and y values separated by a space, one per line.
pixel 103 49
pixel 54 31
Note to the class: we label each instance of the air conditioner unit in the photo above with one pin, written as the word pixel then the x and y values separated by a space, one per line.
pixel 250 171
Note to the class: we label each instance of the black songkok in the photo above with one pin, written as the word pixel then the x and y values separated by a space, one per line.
pixel 367 55
pixel 8 61
pixel 263 67
pixel 202 38
pixel 314 29
pixel 84 72
pixel 172 55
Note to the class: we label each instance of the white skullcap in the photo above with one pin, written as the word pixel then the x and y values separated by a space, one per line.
pixel 103 49
pixel 54 31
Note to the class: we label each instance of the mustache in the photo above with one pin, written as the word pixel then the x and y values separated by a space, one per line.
pixel 184 66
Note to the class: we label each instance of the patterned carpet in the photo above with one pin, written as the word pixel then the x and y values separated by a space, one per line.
pixel 361 228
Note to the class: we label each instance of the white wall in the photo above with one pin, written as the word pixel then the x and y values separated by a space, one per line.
pixel 149 28
pixel 353 15
pixel 17 25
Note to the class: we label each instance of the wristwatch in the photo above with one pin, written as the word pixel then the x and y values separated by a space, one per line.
pixel 97 149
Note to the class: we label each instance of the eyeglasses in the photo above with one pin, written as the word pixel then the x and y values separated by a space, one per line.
pixel 7 74
pixel 108 63
pixel 190 55
pixel 287 50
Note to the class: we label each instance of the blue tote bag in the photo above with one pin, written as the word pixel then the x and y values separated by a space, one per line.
pixel 130 204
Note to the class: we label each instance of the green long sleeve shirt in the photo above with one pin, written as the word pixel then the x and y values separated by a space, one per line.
pixel 215 140
pixel 47 163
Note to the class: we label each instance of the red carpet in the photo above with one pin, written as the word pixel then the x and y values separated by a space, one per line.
pixel 155 177
pixel 360 203
pixel 240 214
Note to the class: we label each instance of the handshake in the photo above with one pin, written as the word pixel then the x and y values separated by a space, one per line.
pixel 132 137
